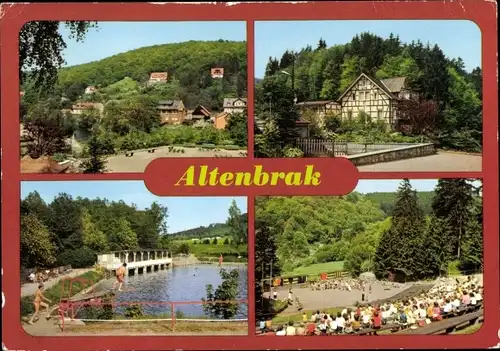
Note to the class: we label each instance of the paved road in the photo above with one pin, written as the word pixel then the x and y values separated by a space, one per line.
pixel 441 162
pixel 140 160
pixel 30 288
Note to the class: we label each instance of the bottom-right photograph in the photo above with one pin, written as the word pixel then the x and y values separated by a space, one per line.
pixel 393 257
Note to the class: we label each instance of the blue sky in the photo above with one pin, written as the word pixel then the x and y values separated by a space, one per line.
pixel 112 38
pixel 382 186
pixel 183 212
pixel 455 38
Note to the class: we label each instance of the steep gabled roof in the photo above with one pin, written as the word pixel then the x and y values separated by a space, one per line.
pixel 374 80
pixel 395 84
pixel 170 105
pixel 229 102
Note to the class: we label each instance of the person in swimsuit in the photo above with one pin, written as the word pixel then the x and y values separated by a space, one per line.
pixel 39 301
pixel 120 275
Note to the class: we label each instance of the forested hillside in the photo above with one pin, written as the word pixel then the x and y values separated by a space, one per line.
pixel 387 201
pixel 294 232
pixel 450 103
pixel 188 66
pixel 210 231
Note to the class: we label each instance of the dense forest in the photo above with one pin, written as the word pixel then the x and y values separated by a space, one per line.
pixel 449 111
pixel 300 231
pixel 72 231
pixel 129 117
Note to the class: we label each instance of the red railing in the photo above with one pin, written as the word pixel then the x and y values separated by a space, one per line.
pixel 67 306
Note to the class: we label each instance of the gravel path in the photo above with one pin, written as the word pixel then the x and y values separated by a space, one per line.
pixel 140 160
pixel 441 162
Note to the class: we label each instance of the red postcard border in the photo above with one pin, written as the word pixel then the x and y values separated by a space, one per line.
pixel 483 13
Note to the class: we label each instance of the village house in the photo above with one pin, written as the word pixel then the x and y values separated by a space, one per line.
pixel 221 120
pixel 200 114
pixel 86 107
pixel 378 99
pixel 158 77
pixel 90 90
pixel 172 112
pixel 319 109
pixel 234 105
pixel 302 128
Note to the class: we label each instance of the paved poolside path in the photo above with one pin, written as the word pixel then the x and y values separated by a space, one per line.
pixel 440 162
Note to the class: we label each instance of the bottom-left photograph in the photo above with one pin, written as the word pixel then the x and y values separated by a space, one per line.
pixel 110 258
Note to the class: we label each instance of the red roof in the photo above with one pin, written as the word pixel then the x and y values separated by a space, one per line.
pixel 158 75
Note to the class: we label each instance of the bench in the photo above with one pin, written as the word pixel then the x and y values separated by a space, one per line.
pixel 446 326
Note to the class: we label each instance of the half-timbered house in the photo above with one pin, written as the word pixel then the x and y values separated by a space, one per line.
pixel 377 99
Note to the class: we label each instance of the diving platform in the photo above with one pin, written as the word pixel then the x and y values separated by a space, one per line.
pixel 138 261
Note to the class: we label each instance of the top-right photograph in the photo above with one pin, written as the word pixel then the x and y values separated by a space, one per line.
pixel 390 96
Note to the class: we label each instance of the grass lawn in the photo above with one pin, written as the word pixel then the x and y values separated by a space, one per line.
pixel 317 269
pixel 469 330
pixel 55 293
pixel 284 318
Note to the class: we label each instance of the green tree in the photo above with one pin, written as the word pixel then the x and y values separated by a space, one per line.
pixel 47 128
pixel 237 126
pixel 37 249
pixel 471 259
pixel 123 238
pixel 400 66
pixel 66 222
pixel 237 228
pixel 400 247
pixel 97 148
pixel 452 203
pixel 43 61
pixel 93 238
pixel 228 291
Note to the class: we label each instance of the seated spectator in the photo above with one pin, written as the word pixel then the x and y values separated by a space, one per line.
pixel 315 317
pixel 323 327
pixel 402 318
pixel 290 330
pixel 465 299
pixel 436 312
pixel 281 331
pixel 376 322
pixel 269 324
pixel 340 323
pixel 356 325
pixel 300 330
pixel 473 300
pixel 448 306
pixel 304 317
pixel 311 329
pixel 262 326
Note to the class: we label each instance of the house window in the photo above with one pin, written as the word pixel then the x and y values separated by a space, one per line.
pixel 374 95
pixel 354 96
pixel 379 114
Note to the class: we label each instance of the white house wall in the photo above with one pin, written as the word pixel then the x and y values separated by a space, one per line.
pixel 367 97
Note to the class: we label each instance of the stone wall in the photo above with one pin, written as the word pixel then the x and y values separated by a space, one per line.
pixel 401 153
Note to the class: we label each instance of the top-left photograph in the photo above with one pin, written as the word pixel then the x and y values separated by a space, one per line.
pixel 110 97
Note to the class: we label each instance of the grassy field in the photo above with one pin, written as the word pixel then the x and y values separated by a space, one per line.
pixel 316 269
pixel 56 292
pixel 208 251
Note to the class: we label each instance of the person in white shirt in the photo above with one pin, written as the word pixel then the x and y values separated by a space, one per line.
pixel 478 296
pixel 448 306
pixel 290 330
pixel 340 322
pixel 290 295
pixel 281 331
pixel 473 300
pixel 32 277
